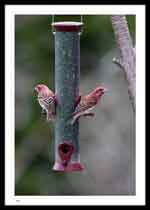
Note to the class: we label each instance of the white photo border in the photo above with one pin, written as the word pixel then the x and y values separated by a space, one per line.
pixel 10 12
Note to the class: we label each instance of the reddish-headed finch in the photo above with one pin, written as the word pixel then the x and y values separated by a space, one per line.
pixel 46 99
pixel 87 103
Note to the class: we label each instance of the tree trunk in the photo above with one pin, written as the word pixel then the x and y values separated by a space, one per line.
pixel 127 61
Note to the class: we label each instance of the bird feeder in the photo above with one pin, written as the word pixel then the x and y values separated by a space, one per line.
pixel 67 75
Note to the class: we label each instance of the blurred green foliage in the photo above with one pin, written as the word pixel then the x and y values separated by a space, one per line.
pixel 34 63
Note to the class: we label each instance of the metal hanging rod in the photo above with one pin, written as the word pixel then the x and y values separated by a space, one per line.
pixel 53 18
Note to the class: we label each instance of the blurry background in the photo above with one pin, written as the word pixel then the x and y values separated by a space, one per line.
pixel 107 142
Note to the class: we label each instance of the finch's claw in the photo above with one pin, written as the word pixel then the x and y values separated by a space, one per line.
pixel 50 116
pixel 43 112
pixel 56 100
pixel 77 101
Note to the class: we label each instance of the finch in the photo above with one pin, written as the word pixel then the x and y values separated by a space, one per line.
pixel 87 103
pixel 47 100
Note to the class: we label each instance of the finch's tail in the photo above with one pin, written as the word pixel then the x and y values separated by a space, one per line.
pixel 73 119
pixel 76 117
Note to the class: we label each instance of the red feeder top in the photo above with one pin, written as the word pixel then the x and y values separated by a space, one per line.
pixel 67 26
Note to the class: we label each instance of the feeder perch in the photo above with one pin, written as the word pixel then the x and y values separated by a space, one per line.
pixel 67 75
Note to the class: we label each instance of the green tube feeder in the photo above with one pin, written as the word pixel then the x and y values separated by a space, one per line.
pixel 67 76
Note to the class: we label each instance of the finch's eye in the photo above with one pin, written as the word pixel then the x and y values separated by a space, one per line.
pixel 99 90
pixel 39 88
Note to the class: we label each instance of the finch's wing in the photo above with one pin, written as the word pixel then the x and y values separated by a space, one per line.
pixel 82 107
pixel 47 101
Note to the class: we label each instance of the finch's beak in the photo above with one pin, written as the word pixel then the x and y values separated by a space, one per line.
pixel 105 90
pixel 35 89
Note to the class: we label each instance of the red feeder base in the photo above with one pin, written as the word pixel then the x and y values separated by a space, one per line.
pixel 69 168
